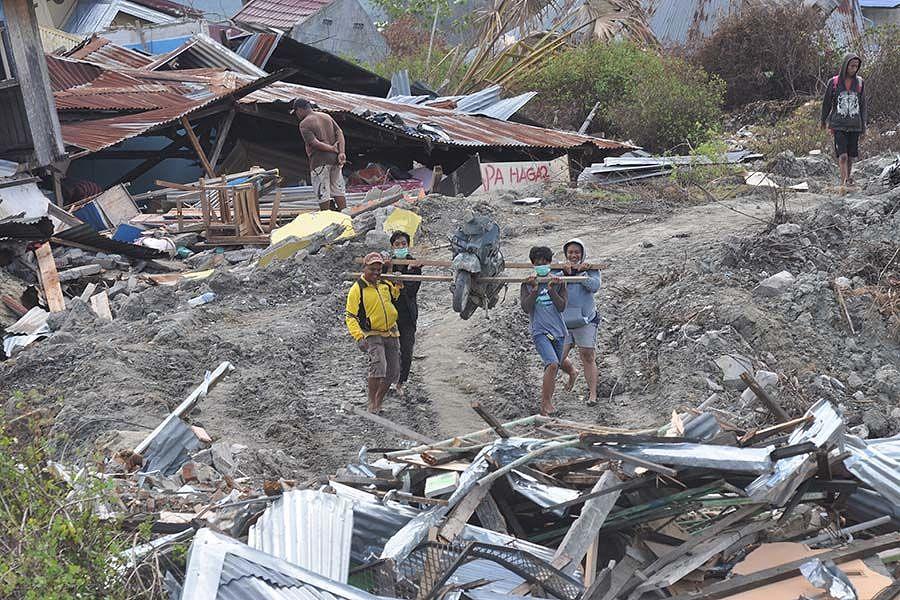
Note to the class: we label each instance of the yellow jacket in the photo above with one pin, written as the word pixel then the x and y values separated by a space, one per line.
pixel 380 310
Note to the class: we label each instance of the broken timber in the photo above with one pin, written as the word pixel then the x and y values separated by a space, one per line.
pixel 50 278
pixel 387 424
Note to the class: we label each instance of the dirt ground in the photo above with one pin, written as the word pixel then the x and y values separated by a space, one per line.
pixel 677 293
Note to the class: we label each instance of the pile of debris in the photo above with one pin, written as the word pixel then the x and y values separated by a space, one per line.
pixel 694 509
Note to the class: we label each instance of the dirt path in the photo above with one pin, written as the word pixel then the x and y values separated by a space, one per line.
pixel 453 375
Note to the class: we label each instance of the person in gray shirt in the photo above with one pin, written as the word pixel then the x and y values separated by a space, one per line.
pixel 544 303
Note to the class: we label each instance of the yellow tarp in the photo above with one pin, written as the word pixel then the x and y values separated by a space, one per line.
pixel 403 220
pixel 307 224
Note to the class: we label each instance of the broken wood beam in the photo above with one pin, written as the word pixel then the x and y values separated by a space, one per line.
pixel 549 447
pixel 586 527
pixel 753 436
pixel 197 147
pixel 209 380
pixel 56 302
pixel 743 583
pixel 777 411
pixel 490 419
pixel 387 424
pixel 221 135
pixel 14 305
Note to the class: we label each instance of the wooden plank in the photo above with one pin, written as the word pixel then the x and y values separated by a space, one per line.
pixel 50 278
pixel 490 419
pixel 590 563
pixel 387 424
pixel 197 147
pixel 779 413
pixel 222 135
pixel 436 278
pixel 742 583
pixel 100 304
pixel 586 527
pixel 754 436
pixel 273 214
pixel 14 305
pixel 88 292
pixel 508 265
pixel 462 512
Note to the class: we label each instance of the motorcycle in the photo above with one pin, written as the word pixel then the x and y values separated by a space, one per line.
pixel 476 253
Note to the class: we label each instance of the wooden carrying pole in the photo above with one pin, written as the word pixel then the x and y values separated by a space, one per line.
pixel 509 265
pixel 434 278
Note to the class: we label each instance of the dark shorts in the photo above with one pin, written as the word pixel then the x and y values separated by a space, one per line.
pixel 846 142
pixel 550 351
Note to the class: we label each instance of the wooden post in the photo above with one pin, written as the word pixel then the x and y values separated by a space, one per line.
pixel 50 278
pixel 779 413
pixel 34 81
pixel 273 214
pixel 197 147
pixel 221 135
pixel 57 189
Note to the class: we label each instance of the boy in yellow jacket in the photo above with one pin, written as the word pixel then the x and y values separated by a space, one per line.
pixel 372 321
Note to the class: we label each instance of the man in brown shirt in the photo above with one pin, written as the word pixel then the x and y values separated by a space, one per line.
pixel 325 149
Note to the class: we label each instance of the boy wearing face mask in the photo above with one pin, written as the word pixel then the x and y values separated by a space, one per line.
pixel 407 306
pixel 545 303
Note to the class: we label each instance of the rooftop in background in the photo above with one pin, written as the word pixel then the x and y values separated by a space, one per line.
pixel 279 14
pixel 91 16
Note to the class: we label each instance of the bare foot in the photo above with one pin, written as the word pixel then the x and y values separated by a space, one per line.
pixel 398 390
pixel 547 409
pixel 592 402
pixel 572 377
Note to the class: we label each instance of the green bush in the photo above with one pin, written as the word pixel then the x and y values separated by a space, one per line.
pixel 881 71
pixel 660 102
pixel 54 544
pixel 768 52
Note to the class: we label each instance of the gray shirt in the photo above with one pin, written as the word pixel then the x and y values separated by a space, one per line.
pixel 545 312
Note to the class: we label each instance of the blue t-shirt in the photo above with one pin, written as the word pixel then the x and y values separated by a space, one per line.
pixel 545 319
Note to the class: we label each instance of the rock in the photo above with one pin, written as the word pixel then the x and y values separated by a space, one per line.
pixel 767 380
pixel 787 229
pixel 854 381
pixel 887 382
pixel 62 337
pixel 189 471
pixel 79 272
pixel 713 386
pixel 222 457
pixel 775 285
pixel 203 457
pixel 378 240
pixel 877 422
pixel 237 256
pixel 732 365
pixel 859 396
pixel 860 431
pixel 843 283
pixel 646 244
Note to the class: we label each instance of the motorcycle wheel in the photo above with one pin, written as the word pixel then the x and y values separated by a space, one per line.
pixel 468 311
pixel 461 288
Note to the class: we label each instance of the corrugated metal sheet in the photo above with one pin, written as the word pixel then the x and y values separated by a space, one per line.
pixel 84 234
pixel 873 464
pixel 258 48
pixel 879 3
pixel 53 39
pixel 310 529
pixel 201 51
pixel 33 322
pixel 220 568
pixel 100 50
pixel 486 103
pixel 39 229
pixel 463 130
pixel 279 14
pixel 66 73
pixel 170 448
pixel 91 16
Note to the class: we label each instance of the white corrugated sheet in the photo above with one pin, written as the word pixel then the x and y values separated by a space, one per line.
pixel 310 529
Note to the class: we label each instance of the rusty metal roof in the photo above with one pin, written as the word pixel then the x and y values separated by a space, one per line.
pixel 101 51
pixel 280 14
pixel 67 73
pixel 461 130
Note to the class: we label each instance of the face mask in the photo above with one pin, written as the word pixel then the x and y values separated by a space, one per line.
pixel 542 270
pixel 401 252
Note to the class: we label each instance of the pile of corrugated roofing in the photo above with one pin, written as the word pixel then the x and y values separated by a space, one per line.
pixel 633 166
pixel 539 506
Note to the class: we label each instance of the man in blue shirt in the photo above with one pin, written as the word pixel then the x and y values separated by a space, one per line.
pixel 581 316
pixel 545 302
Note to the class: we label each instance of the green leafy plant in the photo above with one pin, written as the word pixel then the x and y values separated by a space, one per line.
pixel 55 545
pixel 881 71
pixel 710 164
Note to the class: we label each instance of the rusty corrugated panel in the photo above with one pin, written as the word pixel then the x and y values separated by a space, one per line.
pixel 66 73
pixel 100 50
pixel 463 130
pixel 259 47
pixel 280 14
